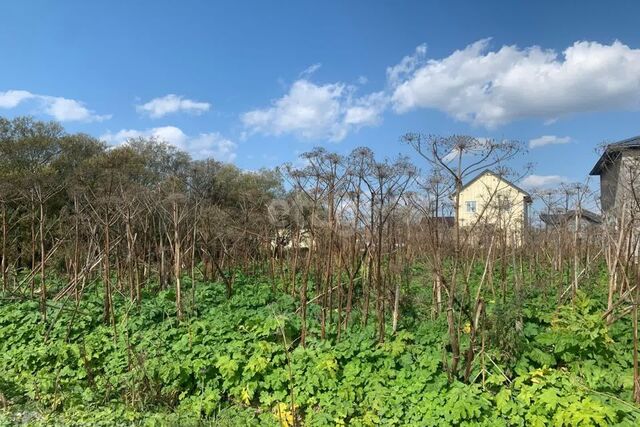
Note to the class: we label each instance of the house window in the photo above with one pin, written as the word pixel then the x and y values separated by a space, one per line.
pixel 504 204
pixel 471 206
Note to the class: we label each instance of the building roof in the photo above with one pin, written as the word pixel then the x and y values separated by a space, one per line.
pixel 501 178
pixel 612 152
pixel 563 217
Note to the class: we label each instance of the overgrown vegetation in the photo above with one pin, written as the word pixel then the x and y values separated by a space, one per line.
pixel 139 286
pixel 237 361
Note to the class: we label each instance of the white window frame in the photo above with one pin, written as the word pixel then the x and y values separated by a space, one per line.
pixel 471 206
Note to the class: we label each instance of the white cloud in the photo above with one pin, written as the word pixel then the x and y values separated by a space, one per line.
pixel 366 111
pixel 490 88
pixel 121 136
pixel 11 98
pixel 205 145
pixel 310 70
pixel 312 111
pixel 61 109
pixel 214 145
pixel 548 140
pixel 160 107
pixel 476 85
pixel 409 63
pixel 170 134
pixel 68 110
pixel 536 181
pixel 308 110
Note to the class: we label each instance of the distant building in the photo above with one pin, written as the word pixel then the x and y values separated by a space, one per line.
pixel 287 240
pixel 619 171
pixel 491 200
pixel 567 220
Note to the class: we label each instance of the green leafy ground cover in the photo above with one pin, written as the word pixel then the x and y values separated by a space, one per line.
pixel 236 362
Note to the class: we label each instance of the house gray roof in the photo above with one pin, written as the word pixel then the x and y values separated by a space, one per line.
pixel 500 177
pixel 563 217
pixel 612 152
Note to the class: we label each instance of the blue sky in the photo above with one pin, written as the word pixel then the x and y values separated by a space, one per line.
pixel 257 82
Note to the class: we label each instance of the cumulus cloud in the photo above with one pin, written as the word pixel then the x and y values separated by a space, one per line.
pixel 548 140
pixel 537 181
pixel 476 85
pixel 207 145
pixel 64 109
pixel 160 107
pixel 312 111
pixel 61 109
pixel 170 134
pixel 490 88
pixel 204 145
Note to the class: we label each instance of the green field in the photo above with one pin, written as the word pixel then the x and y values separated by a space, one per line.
pixel 237 362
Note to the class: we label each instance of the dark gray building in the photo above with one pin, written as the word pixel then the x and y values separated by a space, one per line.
pixel 619 171
pixel 585 220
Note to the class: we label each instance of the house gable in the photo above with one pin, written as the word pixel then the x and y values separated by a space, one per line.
pixel 488 172
pixel 491 199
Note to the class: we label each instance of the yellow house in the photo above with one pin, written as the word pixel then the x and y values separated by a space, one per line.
pixel 490 200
